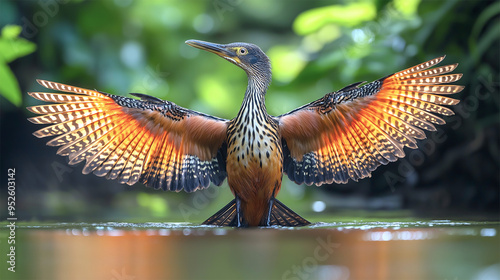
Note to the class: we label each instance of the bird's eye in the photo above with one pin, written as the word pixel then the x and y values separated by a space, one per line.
pixel 242 51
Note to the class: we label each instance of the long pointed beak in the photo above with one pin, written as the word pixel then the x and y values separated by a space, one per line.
pixel 218 49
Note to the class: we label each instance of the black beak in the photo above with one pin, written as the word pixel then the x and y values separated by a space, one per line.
pixel 218 49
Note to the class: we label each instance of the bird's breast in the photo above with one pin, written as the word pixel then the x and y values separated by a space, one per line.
pixel 254 143
pixel 254 158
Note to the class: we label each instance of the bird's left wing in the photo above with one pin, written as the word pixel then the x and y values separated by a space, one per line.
pixel 349 133
pixel 149 140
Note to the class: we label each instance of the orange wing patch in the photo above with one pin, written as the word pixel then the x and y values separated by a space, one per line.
pixel 152 141
pixel 348 134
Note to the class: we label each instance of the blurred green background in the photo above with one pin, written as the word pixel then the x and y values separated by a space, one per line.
pixel 316 47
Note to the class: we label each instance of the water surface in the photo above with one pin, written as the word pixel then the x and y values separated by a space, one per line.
pixel 360 249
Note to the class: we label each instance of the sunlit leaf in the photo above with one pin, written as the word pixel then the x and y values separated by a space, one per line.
pixel 216 94
pixel 9 87
pixel 287 63
pixel 407 7
pixel 11 31
pixel 346 15
pixel 12 47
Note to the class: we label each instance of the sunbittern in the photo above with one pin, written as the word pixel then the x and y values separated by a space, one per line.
pixel 344 135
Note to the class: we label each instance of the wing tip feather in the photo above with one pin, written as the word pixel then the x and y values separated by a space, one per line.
pixel 37 134
pixel 44 83
pixel 34 120
pixel 32 110
pixel 440 58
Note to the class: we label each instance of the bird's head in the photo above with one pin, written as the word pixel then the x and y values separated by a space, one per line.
pixel 247 56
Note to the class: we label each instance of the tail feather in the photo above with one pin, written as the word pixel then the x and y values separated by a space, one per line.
pixel 281 215
pixel 225 217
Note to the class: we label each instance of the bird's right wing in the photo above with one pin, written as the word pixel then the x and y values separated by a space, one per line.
pixel 349 133
pixel 149 140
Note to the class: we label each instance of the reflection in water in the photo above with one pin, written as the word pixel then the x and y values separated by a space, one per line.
pixel 121 251
pixel 488 232
pixel 403 235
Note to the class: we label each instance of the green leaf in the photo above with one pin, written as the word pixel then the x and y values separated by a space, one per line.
pixel 215 94
pixel 12 47
pixel 287 62
pixel 490 12
pixel 11 31
pixel 487 40
pixel 407 7
pixel 9 87
pixel 346 15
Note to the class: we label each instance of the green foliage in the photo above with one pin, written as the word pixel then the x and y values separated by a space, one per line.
pixel 156 205
pixel 480 41
pixel 287 61
pixel 407 7
pixel 11 48
pixel 346 15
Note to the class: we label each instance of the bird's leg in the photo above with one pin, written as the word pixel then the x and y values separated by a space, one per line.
pixel 239 214
pixel 269 211
pixel 270 208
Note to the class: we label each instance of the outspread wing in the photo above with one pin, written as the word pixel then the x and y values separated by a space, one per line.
pixel 349 133
pixel 149 140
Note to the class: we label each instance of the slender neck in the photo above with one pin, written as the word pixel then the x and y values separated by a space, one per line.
pixel 258 83
pixel 254 100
